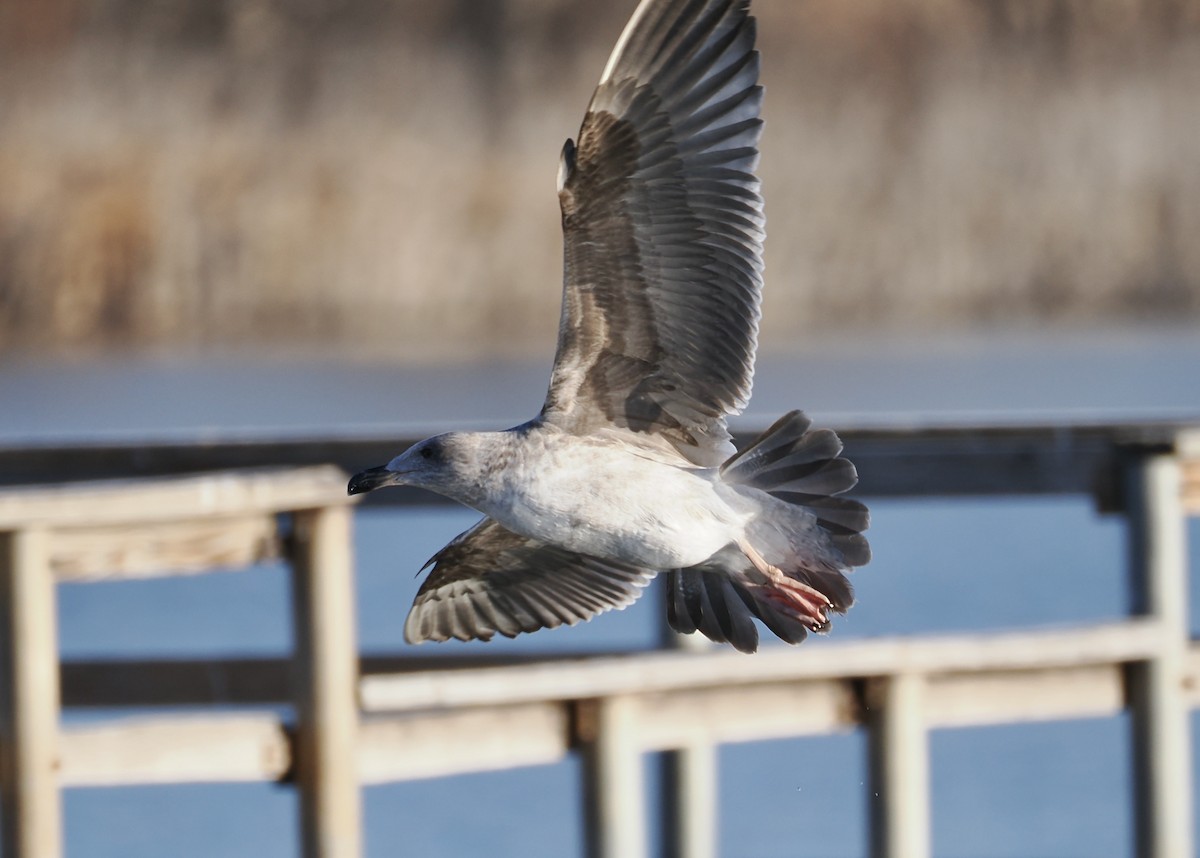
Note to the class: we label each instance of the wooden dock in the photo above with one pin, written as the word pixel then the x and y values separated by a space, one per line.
pixel 387 718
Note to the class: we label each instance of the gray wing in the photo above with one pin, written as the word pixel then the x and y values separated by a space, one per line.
pixel 663 231
pixel 489 579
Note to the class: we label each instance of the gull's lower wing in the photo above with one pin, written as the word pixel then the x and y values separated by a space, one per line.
pixel 663 229
pixel 490 580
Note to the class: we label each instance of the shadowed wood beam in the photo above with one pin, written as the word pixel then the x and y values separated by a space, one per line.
pixel 238 681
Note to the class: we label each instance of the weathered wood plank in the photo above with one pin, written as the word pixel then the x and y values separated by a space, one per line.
pixel 435 744
pixel 326 664
pixel 668 671
pixel 29 798
pixel 176 749
pixel 1012 696
pixel 751 713
pixel 220 494
pixel 162 548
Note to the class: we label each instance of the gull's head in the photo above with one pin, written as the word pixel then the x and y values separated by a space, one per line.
pixel 439 463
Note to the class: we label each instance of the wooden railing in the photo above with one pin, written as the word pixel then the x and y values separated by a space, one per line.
pixel 189 524
pixel 388 718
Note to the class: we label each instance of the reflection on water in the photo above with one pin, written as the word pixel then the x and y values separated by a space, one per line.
pixel 1048 789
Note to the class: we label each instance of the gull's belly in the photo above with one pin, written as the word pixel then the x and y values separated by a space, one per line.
pixel 607 502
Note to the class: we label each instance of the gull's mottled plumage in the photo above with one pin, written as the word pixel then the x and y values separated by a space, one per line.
pixel 663 230
pixel 629 470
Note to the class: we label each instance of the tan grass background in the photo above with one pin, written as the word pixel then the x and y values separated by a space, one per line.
pixel 379 174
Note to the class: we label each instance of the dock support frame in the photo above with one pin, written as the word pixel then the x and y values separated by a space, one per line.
pixel 30 803
pixel 1159 711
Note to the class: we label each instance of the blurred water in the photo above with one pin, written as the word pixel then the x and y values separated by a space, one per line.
pixel 1057 789
pixel 1007 375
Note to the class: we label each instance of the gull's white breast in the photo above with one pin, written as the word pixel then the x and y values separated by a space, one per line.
pixel 601 498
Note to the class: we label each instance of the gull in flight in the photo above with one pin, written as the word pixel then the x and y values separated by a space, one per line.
pixel 629 471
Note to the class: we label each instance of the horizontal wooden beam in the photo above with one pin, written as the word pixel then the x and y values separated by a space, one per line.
pixel 258 747
pixel 773 710
pixel 222 494
pixel 1013 696
pixel 175 749
pixel 435 744
pixel 162 548
pixel 673 671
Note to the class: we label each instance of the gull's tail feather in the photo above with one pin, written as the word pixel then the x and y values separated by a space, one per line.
pixel 804 467
pixel 810 540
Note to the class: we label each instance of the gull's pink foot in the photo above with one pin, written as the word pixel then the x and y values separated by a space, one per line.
pixel 800 601
pixel 794 598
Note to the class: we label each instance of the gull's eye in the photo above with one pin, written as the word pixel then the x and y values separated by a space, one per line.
pixel 426 452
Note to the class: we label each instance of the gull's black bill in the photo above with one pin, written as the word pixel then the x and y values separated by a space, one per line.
pixel 369 480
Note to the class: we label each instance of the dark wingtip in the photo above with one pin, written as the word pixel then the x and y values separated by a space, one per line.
pixel 566 164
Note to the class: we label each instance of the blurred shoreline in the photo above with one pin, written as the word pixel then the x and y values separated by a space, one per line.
pixel 378 177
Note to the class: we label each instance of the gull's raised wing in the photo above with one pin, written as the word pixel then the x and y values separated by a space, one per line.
pixel 663 230
pixel 490 580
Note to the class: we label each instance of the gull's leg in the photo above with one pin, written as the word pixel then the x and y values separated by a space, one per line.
pixel 797 598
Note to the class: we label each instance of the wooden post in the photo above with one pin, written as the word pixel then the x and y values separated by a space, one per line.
pixel 1160 718
pixel 30 804
pixel 689 779
pixel 689 785
pixel 326 665
pixel 899 767
pixel 614 788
